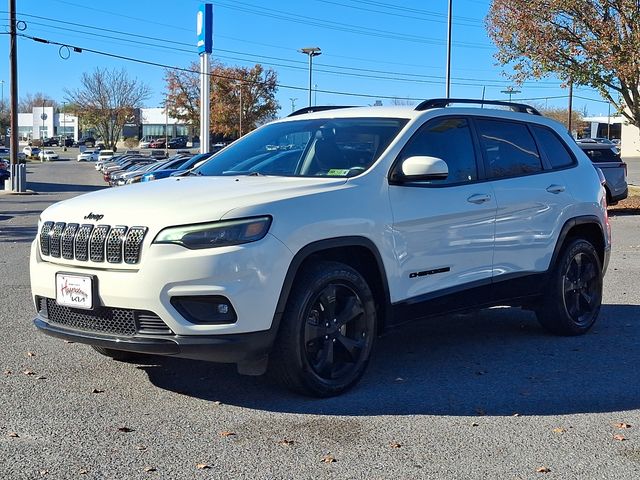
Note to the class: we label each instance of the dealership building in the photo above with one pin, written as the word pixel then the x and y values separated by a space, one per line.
pixel 148 123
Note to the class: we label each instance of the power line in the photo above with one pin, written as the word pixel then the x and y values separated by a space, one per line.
pixel 395 76
pixel 173 67
pixel 395 14
pixel 344 27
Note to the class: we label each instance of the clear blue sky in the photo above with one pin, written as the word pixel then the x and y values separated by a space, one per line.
pixel 375 48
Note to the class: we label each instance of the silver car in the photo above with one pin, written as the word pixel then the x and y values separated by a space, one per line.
pixel 607 158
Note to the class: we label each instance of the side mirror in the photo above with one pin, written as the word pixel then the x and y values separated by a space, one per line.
pixel 423 168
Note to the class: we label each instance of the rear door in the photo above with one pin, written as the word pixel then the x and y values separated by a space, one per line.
pixel 531 199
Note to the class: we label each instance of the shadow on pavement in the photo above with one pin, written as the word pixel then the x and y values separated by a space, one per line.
pixel 42 187
pixel 17 233
pixel 494 362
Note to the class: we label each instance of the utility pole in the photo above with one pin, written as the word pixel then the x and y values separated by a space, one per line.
pixel 570 115
pixel 510 91
pixel 16 186
pixel 448 82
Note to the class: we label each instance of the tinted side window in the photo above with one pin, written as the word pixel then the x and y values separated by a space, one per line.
pixel 509 148
pixel 555 149
pixel 602 154
pixel 449 139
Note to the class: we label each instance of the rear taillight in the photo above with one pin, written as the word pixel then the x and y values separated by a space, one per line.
pixel 624 165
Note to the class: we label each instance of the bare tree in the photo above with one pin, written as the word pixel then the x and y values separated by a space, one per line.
pixel 105 99
pixel 38 99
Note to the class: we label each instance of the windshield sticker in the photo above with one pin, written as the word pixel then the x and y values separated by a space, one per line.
pixel 338 172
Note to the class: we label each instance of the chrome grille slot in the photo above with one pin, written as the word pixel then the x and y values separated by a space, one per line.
pixel 96 243
pixel 82 242
pixel 114 244
pixel 67 240
pixel 133 244
pixel 87 242
pixel 44 237
pixel 54 241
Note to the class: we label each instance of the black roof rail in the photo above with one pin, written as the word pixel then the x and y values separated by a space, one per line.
pixel 444 102
pixel 317 108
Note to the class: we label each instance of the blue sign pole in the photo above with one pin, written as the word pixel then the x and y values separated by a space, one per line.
pixel 204 30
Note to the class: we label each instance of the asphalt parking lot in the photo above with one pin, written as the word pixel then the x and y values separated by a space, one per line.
pixel 475 396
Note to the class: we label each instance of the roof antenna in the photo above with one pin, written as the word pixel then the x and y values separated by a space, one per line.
pixel 482 103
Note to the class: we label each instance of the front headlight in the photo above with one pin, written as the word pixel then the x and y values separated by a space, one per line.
pixel 216 234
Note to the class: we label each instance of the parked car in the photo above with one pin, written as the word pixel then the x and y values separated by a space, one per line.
pixel 144 144
pixel 158 154
pixel 105 155
pixel 48 155
pixel 5 174
pixel 68 142
pixel 158 143
pixel 607 158
pixel 51 142
pixel 135 174
pixel 31 152
pixel 166 171
pixel 177 142
pixel 88 156
pixel 4 153
pixel 295 260
pixel 86 141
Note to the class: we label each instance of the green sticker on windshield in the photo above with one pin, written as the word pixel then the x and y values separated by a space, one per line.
pixel 338 172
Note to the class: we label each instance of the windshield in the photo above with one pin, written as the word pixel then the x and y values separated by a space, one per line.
pixel 341 147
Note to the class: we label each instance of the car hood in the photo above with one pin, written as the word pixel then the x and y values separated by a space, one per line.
pixel 183 200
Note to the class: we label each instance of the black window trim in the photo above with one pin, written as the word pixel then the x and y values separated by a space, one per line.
pixel 546 161
pixel 480 168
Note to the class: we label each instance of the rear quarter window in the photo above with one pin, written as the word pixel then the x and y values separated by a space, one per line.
pixel 554 148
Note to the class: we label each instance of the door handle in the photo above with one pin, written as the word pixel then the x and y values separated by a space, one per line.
pixel 556 188
pixel 479 198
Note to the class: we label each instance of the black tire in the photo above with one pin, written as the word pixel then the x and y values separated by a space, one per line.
pixel 119 355
pixel 327 331
pixel 574 294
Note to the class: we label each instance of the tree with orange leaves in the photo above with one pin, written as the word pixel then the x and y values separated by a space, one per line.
pixel 239 96
pixel 588 42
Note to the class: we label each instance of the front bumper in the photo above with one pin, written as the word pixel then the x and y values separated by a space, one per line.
pixel 238 348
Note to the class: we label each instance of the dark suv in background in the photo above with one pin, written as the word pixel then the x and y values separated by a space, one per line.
pixel 607 158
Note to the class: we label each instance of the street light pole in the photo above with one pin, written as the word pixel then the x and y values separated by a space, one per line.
pixel 312 52
pixel 448 79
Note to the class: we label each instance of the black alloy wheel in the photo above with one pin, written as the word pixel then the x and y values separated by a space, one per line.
pixel 335 332
pixel 582 288
pixel 573 297
pixel 327 331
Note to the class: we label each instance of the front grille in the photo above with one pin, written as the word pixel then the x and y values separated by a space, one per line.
pixel 96 243
pixel 86 242
pixel 67 240
pixel 114 321
pixel 54 243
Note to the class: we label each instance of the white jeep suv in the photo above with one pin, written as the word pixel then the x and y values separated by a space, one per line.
pixel 297 245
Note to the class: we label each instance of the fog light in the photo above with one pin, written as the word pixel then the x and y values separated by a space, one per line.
pixel 213 309
pixel 223 308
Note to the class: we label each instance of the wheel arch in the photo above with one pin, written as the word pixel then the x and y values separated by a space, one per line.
pixel 588 227
pixel 360 253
